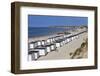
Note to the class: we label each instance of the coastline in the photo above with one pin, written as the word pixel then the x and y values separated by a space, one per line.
pixel 65 51
pixel 45 37
pixel 41 37
pixel 52 35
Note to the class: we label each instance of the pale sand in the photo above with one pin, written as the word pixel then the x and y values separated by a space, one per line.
pixel 64 51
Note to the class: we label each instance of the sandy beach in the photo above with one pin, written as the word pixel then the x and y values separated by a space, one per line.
pixel 64 51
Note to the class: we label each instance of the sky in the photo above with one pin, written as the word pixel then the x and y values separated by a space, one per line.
pixel 45 21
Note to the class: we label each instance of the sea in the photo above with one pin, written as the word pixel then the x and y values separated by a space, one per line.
pixel 44 31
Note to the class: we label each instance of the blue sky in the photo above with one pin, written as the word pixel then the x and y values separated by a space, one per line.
pixel 45 21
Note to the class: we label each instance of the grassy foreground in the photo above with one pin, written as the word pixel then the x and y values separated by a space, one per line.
pixel 80 52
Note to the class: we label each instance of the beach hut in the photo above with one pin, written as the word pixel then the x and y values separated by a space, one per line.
pixel 57 38
pixel 42 50
pixel 72 38
pixel 48 40
pixel 39 43
pixel 58 43
pixel 43 42
pixel 64 36
pixel 32 45
pixel 53 39
pixel 33 55
pixel 53 47
pixel 65 40
pixel 62 42
pixel 48 47
pixel 69 35
pixel 60 36
pixel 68 40
pixel 77 37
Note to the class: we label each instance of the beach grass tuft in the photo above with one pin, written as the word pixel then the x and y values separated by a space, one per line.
pixel 79 52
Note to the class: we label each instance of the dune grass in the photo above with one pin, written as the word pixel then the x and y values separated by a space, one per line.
pixel 79 52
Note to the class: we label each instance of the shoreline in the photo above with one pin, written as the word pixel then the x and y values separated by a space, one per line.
pixel 41 37
pixel 45 37
pixel 52 35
